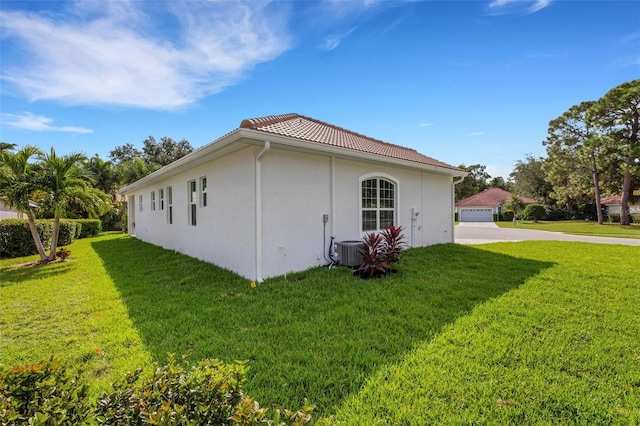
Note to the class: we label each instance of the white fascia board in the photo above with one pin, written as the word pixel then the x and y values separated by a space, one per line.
pixel 203 154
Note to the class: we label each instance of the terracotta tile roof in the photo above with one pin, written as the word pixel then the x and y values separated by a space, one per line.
pixel 491 197
pixel 312 130
pixel 611 199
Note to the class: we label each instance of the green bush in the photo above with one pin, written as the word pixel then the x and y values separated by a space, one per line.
pixel 16 239
pixel 42 394
pixel 67 233
pixel 78 230
pixel 507 216
pixel 209 393
pixel 635 217
pixel 534 212
pixel 90 227
pixel 614 217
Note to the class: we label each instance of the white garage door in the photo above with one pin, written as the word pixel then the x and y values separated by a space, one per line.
pixel 476 215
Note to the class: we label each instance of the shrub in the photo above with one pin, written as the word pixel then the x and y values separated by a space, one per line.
pixel 381 251
pixel 535 212
pixel 43 394
pixel 209 393
pixel 507 216
pixel 614 217
pixel 90 227
pixel 63 254
pixel 373 264
pixel 555 213
pixel 635 217
pixel 16 239
pixel 67 232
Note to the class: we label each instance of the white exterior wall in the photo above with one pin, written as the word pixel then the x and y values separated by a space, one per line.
pixel 427 193
pixel 7 212
pixel 297 190
pixel 225 230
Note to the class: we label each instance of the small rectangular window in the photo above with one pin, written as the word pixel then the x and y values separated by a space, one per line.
pixel 193 202
pixel 203 191
pixel 161 198
pixel 140 202
pixel 169 205
pixel 153 200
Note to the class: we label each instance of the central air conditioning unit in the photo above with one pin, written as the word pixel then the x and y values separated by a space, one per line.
pixel 350 252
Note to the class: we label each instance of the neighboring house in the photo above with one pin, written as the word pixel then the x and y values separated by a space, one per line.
pixel 613 204
pixel 482 207
pixel 7 212
pixel 264 199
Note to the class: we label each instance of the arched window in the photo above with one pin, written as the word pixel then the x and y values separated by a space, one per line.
pixel 378 204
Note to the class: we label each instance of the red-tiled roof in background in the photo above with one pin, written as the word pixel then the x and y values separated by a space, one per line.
pixel 491 197
pixel 312 130
pixel 611 199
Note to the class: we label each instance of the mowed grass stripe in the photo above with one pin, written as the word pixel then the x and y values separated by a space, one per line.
pixel 562 348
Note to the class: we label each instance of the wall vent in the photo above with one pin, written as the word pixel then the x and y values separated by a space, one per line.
pixel 349 252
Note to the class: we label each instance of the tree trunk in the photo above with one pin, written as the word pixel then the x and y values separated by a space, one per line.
pixel 626 189
pixel 54 238
pixel 36 236
pixel 596 189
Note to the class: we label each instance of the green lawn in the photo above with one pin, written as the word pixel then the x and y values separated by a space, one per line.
pixel 578 227
pixel 489 334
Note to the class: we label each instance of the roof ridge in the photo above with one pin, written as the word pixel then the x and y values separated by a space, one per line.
pixel 254 123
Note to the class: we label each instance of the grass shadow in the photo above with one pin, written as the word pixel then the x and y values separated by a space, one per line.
pixel 317 334
pixel 16 274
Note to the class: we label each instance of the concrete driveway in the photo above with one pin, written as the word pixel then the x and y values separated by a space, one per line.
pixel 489 232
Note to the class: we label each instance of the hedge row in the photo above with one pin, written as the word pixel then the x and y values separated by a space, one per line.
pixel 209 393
pixel 16 239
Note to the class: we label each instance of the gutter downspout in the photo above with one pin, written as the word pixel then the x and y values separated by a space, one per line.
pixel 258 184
pixel 454 182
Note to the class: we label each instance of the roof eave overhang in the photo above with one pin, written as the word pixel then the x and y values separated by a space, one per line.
pixel 240 138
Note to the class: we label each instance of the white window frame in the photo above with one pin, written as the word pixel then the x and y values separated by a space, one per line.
pixel 161 198
pixel 377 209
pixel 203 191
pixel 140 203
pixel 192 203
pixel 169 205
pixel 153 201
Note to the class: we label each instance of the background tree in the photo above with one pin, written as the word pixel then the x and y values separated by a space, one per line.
pixel 499 182
pixel 124 153
pixel 18 183
pixel 514 204
pixel 164 152
pixel 103 174
pixel 574 142
pixel 618 111
pixel 529 179
pixel 477 180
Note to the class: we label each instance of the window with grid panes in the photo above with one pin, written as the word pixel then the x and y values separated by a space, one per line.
pixel 193 202
pixel 378 204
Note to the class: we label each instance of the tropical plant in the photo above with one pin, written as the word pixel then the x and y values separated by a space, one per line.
pixel 18 182
pixel 64 183
pixel 380 252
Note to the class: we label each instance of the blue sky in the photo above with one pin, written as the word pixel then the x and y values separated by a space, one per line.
pixel 465 82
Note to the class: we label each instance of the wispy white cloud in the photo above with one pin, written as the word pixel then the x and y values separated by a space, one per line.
pixel 500 7
pixel 333 40
pixel 475 134
pixel 425 124
pixel 38 123
pixel 117 53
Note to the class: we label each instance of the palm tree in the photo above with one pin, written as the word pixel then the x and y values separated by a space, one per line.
pixel 18 182
pixel 65 183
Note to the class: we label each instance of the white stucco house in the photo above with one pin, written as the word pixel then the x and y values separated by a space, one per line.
pixel 264 199
pixel 7 212
pixel 482 207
